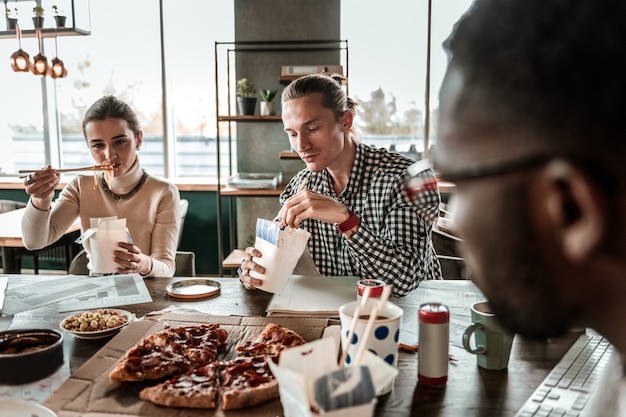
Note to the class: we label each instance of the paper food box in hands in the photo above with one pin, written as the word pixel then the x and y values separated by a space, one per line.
pixel 311 383
pixel 103 235
pixel 281 249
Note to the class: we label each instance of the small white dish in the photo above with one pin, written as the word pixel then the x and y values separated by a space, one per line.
pixel 99 334
pixel 20 408
pixel 193 288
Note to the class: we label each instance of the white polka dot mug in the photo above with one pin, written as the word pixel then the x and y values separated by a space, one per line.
pixel 383 342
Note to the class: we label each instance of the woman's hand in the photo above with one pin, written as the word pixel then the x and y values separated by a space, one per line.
pixel 40 186
pixel 132 260
pixel 248 265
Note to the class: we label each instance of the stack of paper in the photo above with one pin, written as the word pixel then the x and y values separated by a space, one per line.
pixel 313 296
pixel 72 292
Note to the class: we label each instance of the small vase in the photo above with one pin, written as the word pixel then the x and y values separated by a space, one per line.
pixel 267 108
pixel 60 20
pixel 246 105
pixel 11 23
pixel 38 22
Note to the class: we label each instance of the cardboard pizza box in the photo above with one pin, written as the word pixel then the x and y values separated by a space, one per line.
pixel 89 392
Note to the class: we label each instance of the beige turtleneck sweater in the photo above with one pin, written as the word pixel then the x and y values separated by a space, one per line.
pixel 152 215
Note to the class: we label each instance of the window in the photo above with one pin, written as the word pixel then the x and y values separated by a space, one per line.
pixel 388 66
pixel 122 56
pixel 189 48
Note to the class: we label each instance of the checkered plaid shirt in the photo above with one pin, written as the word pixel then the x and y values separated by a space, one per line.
pixel 393 242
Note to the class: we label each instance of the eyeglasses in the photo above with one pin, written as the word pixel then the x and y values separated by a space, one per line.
pixel 418 185
pixel 474 170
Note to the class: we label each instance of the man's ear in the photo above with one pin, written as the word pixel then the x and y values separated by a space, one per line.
pixel 576 209
pixel 348 118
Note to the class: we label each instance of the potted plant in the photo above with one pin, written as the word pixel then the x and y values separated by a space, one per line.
pixel 59 18
pixel 246 97
pixel 267 108
pixel 38 12
pixel 11 15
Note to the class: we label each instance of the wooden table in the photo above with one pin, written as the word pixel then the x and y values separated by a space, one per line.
pixel 11 238
pixel 470 391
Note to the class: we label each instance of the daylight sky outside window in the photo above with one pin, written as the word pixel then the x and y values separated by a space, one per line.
pixel 388 49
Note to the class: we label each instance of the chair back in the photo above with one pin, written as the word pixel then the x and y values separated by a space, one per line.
pixel 78 266
pixel 185 264
pixel 10 205
pixel 184 207
pixel 450 258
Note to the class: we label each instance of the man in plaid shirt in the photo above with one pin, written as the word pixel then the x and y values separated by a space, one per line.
pixel 351 197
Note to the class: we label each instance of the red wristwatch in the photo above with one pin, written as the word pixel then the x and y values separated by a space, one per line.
pixel 352 221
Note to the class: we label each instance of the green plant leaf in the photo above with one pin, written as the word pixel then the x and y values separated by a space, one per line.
pixel 245 88
pixel 267 95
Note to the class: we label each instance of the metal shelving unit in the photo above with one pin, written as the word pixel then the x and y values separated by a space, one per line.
pixel 231 49
pixel 77 13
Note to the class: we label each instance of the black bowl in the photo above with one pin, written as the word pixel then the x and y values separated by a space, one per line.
pixel 29 355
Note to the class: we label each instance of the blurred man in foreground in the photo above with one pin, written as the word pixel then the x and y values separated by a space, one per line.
pixel 531 131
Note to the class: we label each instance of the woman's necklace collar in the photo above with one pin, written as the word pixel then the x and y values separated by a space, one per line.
pixel 120 197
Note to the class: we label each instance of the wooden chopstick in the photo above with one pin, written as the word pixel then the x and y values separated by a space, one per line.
pixel 355 319
pixel 370 323
pixel 91 168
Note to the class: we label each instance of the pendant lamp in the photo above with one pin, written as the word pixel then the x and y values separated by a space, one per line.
pixel 20 60
pixel 40 62
pixel 57 70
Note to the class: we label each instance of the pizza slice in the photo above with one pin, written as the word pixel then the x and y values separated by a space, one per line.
pixel 171 351
pixel 271 341
pixel 197 388
pixel 247 381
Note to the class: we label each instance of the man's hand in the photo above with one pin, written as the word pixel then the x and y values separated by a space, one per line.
pixel 248 265
pixel 308 204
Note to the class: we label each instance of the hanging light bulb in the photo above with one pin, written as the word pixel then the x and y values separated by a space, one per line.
pixel 57 70
pixel 20 60
pixel 40 62
pixel 40 65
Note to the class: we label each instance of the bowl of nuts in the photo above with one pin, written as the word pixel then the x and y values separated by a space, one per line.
pixel 97 324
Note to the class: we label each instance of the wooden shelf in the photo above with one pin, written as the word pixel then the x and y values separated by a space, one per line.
pixel 45 33
pixel 288 155
pixel 249 119
pixel 241 192
pixel 233 260
pixel 287 79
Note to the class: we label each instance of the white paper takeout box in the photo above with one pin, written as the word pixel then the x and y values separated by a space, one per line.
pixel 280 256
pixel 103 236
pixel 299 367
